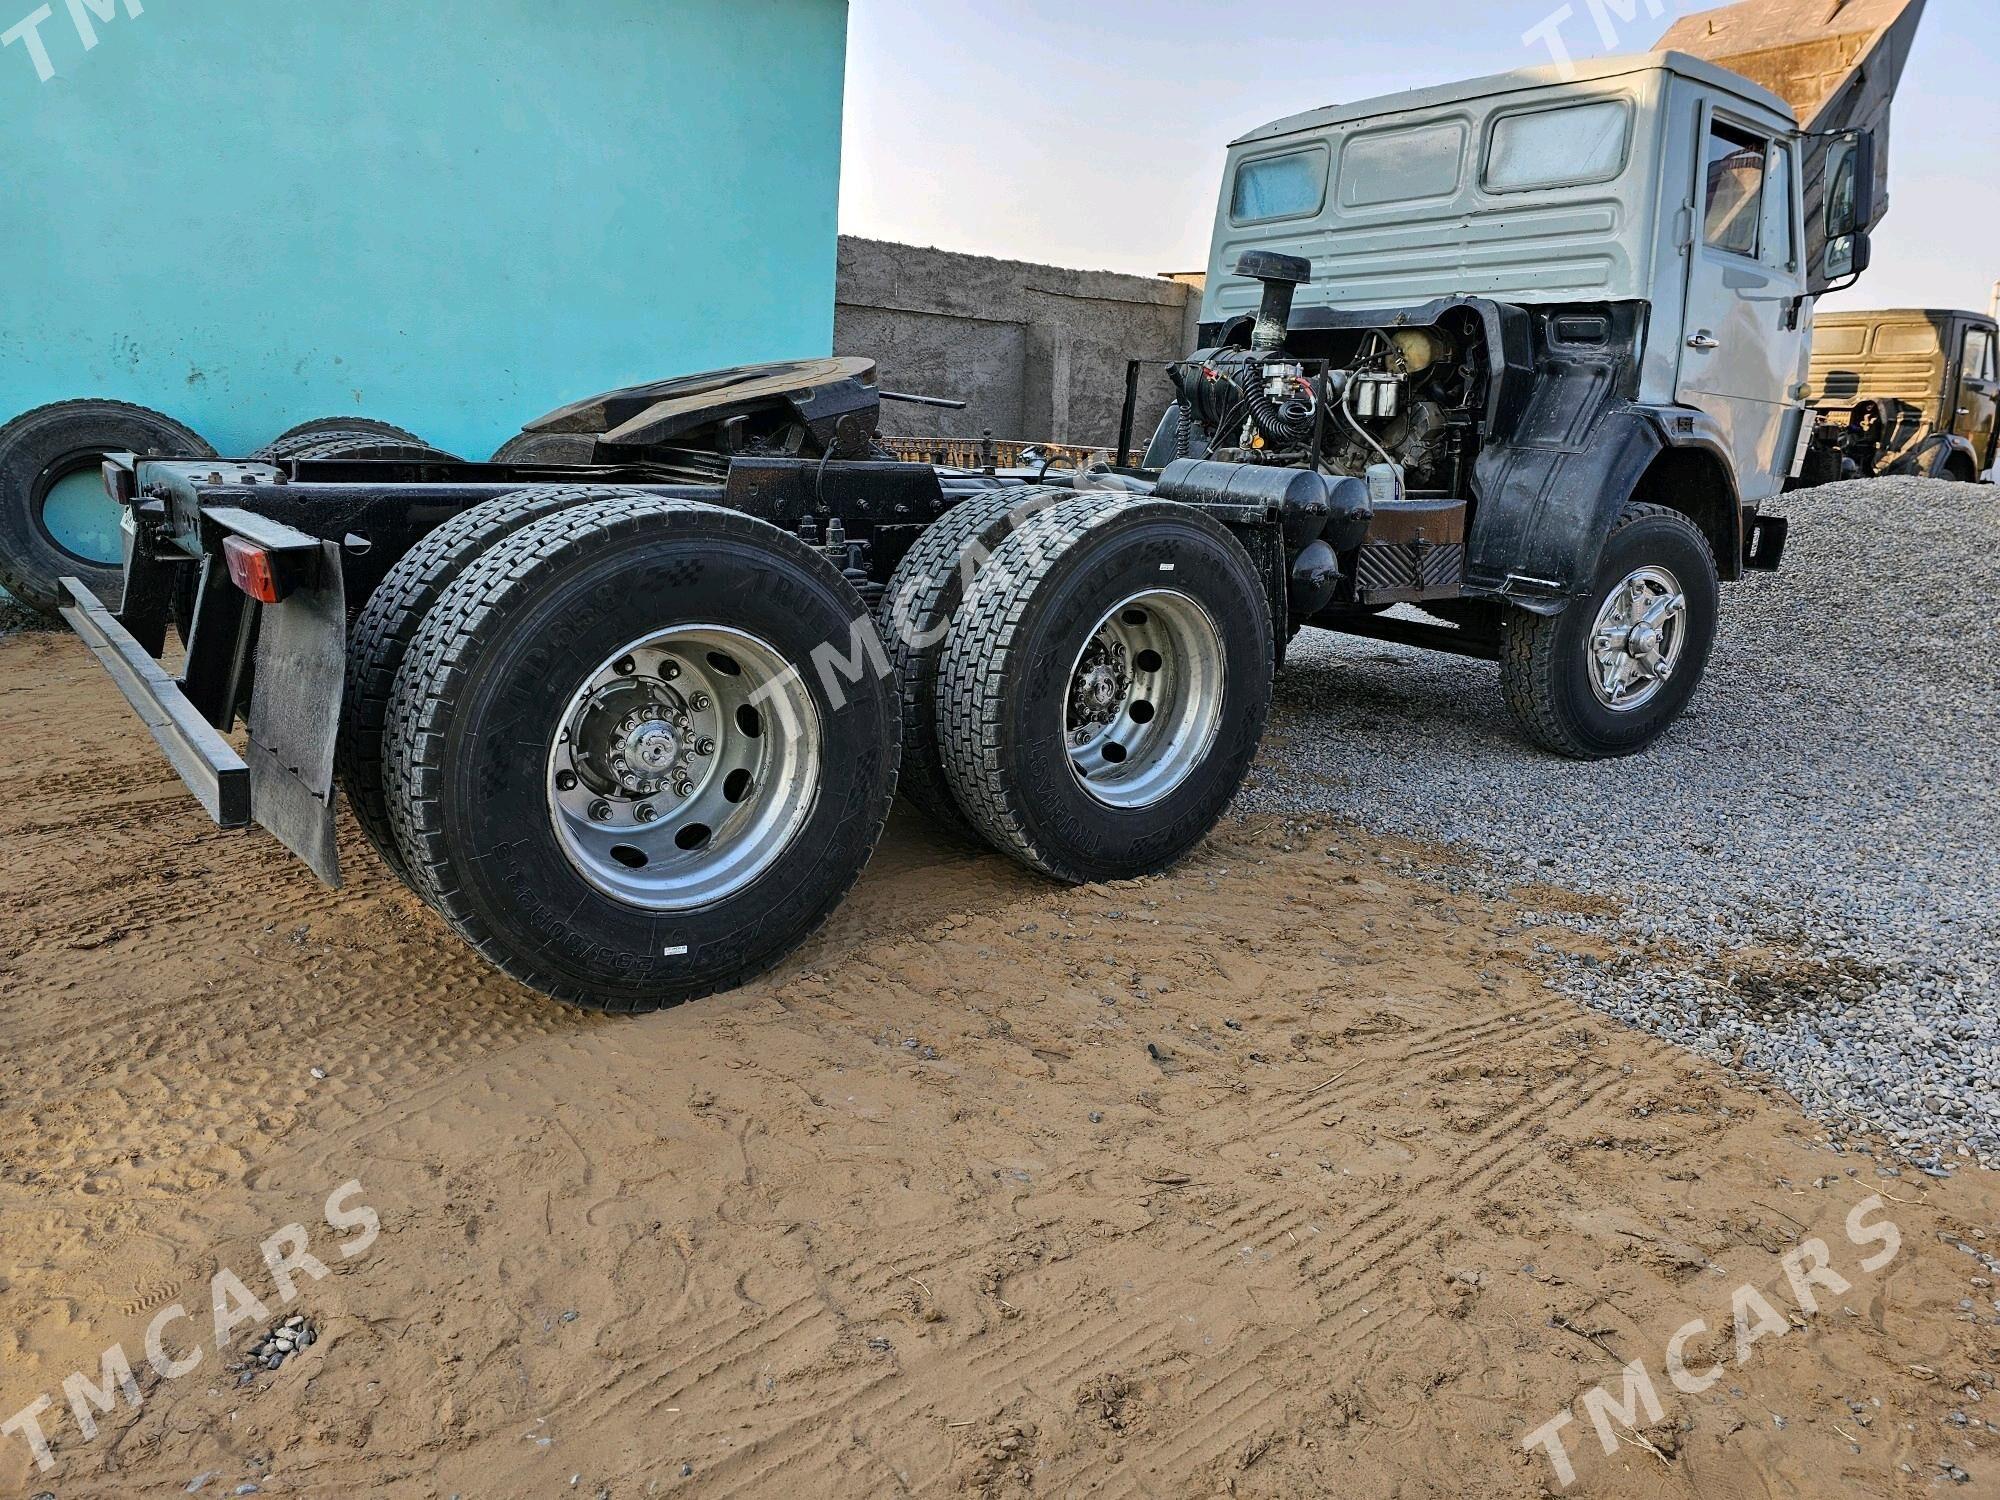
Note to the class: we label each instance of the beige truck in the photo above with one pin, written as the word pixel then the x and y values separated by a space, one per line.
pixel 1911 391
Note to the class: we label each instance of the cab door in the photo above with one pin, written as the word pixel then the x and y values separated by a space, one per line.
pixel 1978 392
pixel 1743 352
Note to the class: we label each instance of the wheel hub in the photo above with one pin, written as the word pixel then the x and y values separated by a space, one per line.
pixel 1101 686
pixel 1145 699
pixel 649 750
pixel 683 766
pixel 1636 645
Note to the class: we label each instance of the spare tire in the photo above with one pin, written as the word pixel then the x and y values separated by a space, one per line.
pixel 292 440
pixel 547 448
pixel 375 445
pixel 53 454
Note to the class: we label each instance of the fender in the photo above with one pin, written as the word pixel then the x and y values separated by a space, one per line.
pixel 1547 501
pixel 1930 458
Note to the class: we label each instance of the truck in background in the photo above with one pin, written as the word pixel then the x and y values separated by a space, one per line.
pixel 1905 391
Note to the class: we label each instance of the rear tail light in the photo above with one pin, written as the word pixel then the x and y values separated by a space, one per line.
pixel 251 569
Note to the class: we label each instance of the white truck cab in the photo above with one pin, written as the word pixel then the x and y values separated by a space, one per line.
pixel 1546 335
pixel 1661 184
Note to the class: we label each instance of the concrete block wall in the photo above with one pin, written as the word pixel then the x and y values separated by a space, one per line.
pixel 1039 352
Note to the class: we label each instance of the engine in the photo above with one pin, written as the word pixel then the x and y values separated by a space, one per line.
pixel 1347 401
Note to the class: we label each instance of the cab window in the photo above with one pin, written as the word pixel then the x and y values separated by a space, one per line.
pixel 1736 166
pixel 1563 147
pixel 1292 186
pixel 1978 364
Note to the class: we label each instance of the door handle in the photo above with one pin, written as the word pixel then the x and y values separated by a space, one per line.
pixel 1704 340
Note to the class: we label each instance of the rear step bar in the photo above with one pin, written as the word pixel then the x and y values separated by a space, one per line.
pixel 213 771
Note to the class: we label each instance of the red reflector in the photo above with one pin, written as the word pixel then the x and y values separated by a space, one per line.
pixel 250 569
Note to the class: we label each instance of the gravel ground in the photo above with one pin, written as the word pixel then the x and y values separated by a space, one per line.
pixel 1805 868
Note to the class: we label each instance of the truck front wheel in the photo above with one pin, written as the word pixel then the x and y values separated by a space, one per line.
pixel 1611 673
pixel 614 761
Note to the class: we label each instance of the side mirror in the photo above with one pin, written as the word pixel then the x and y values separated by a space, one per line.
pixel 1848 256
pixel 1850 184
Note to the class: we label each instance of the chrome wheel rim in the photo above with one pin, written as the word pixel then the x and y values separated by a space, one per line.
pixel 683 767
pixel 1636 646
pixel 1144 700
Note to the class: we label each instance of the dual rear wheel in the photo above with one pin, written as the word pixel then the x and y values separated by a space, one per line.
pixel 1092 687
pixel 588 726
pixel 616 740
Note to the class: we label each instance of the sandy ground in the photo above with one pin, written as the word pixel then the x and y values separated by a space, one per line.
pixel 1279 1176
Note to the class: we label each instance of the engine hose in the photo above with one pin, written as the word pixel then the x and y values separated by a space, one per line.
pixel 1289 428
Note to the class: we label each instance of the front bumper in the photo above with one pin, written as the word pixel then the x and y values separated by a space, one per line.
pixel 213 771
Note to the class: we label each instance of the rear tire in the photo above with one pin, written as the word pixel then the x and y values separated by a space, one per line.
pixel 292 440
pixel 915 614
pixel 1100 702
pixel 1570 684
pixel 380 639
pixel 42 448
pixel 522 647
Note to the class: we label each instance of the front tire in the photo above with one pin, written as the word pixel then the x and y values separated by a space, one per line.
pixel 582 780
pixel 1610 674
pixel 1105 687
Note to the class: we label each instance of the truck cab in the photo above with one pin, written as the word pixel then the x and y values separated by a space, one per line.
pixel 1659 195
pixel 1904 391
pixel 1556 324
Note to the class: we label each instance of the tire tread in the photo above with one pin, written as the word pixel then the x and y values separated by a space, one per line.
pixel 1531 658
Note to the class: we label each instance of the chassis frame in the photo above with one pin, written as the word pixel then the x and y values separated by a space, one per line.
pixel 333 530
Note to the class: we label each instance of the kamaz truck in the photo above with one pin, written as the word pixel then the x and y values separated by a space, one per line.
pixel 1526 353
pixel 1909 391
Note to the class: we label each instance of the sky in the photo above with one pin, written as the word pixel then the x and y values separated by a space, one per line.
pixel 1091 133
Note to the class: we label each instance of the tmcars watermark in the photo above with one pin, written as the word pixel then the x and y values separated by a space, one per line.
pixel 981 568
pixel 232 1306
pixel 1809 1271
pixel 84 15
pixel 1607 14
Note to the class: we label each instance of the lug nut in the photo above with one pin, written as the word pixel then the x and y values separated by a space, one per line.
pixel 565 781
pixel 646 813
pixel 699 703
pixel 600 811
pixel 704 746
pixel 625 666
pixel 670 670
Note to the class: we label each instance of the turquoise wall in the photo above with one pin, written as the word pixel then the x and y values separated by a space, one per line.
pixel 451 214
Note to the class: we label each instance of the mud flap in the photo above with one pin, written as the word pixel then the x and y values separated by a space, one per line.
pixel 295 716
